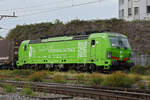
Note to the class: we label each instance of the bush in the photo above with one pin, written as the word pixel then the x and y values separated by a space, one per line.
pixel 59 78
pixel 72 71
pixel 148 85
pixel 9 88
pixel 80 79
pixel 96 79
pixel 2 78
pixel 118 79
pixel 52 72
pixel 22 72
pixel 17 78
pixel 27 91
pixel 140 70
pixel 135 77
pixel 141 85
pixel 6 72
pixel 38 76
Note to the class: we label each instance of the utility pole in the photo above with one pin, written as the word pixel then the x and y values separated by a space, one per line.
pixel 4 16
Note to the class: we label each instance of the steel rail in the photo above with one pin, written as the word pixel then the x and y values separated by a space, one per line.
pixel 82 91
pixel 84 86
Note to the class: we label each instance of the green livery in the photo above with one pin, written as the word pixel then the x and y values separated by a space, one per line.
pixel 101 50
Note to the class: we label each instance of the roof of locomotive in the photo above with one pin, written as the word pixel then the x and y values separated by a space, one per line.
pixel 67 38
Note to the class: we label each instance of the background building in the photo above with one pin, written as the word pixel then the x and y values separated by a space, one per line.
pixel 134 9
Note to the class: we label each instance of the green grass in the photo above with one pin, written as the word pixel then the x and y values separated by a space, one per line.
pixel 8 88
pixel 28 92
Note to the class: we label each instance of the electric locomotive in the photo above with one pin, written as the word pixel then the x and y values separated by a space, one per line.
pixel 94 52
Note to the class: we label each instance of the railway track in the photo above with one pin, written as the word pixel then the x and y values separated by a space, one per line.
pixel 85 91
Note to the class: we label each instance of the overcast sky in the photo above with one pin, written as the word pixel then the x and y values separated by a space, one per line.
pixel 36 11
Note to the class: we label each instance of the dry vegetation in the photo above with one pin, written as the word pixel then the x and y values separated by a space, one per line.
pixel 116 79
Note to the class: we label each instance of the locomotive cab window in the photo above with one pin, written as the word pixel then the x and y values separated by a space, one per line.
pixel 25 47
pixel 92 42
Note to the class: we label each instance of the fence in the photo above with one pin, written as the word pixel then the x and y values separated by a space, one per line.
pixel 143 60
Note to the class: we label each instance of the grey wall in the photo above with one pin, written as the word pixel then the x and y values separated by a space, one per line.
pixel 142 4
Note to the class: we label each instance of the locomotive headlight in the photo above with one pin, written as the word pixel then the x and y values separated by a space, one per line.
pixel 109 54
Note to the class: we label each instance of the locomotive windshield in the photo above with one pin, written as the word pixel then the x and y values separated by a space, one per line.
pixel 119 42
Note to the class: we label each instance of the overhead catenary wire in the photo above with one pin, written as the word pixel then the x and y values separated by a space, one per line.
pixel 60 8
pixel 38 9
pixel 35 6
pixel 56 9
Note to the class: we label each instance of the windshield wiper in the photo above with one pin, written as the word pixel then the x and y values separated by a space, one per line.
pixel 125 47
pixel 118 47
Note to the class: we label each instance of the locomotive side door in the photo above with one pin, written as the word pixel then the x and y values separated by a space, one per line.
pixel 92 50
pixel 95 49
pixel 25 53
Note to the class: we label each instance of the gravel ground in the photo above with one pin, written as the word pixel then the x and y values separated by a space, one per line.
pixel 77 98
pixel 40 96
pixel 50 97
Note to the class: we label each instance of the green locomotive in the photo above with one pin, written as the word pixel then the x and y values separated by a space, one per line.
pixel 97 51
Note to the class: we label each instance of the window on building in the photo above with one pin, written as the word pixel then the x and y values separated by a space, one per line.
pixel 122 1
pixel 122 13
pixel 119 13
pixel 136 10
pixel 148 9
pixel 129 11
pixel 136 0
pixel 129 1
